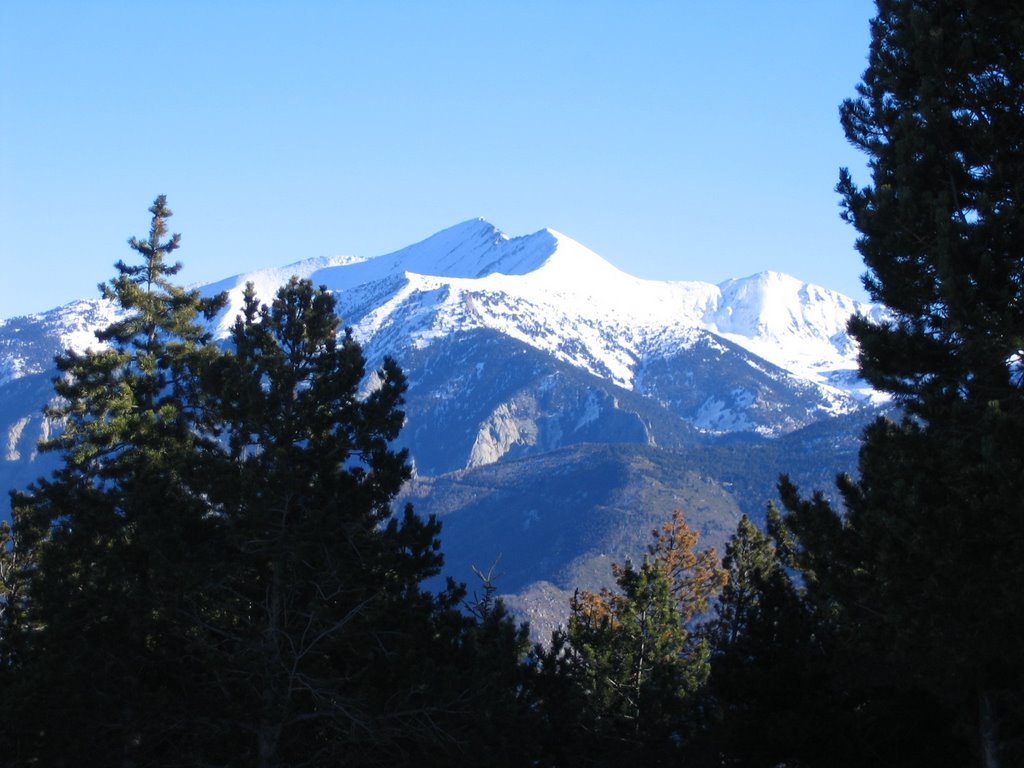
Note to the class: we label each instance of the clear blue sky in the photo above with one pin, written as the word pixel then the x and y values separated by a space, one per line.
pixel 680 140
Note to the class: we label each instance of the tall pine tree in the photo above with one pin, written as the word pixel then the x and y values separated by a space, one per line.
pixel 112 544
pixel 927 564
pixel 319 598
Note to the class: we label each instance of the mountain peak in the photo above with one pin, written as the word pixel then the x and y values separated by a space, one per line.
pixel 471 229
pixel 569 258
pixel 760 281
pixel 476 248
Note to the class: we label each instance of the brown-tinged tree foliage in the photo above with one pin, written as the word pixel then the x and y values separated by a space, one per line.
pixel 630 660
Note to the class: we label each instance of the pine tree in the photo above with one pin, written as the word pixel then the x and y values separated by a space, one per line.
pixel 304 493
pixel 926 565
pixel 769 698
pixel 112 536
pixel 629 656
pixel 331 650
pixel 11 600
pixel 750 564
pixel 492 684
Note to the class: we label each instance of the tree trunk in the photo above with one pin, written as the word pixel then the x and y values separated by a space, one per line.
pixel 270 718
pixel 988 740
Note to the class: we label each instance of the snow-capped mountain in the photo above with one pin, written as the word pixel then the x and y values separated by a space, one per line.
pixel 536 368
pixel 557 296
pixel 766 353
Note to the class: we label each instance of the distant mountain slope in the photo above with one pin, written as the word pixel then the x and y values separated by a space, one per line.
pixel 557 520
pixel 564 515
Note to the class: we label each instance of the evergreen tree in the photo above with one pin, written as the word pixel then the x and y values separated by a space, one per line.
pixel 926 565
pixel 331 651
pixel 311 569
pixel 750 564
pixel 114 536
pixel 11 601
pixel 499 724
pixel 770 698
pixel 628 658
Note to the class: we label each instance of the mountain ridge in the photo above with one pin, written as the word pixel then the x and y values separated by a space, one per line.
pixel 544 289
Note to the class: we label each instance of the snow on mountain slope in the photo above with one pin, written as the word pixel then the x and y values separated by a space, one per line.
pixel 798 326
pixel 266 283
pixel 29 343
pixel 555 294
pixel 544 289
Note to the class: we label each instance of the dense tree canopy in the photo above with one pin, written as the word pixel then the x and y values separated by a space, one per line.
pixel 110 545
